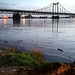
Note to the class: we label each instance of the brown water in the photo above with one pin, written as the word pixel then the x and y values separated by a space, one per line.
pixel 46 35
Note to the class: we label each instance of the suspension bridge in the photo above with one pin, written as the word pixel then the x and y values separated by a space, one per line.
pixel 54 9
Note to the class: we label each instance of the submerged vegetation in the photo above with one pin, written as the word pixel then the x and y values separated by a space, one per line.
pixel 12 57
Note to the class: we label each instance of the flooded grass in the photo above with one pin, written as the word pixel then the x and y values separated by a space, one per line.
pixel 13 57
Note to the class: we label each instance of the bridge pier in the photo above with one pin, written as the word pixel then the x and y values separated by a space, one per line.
pixel 16 18
pixel 55 17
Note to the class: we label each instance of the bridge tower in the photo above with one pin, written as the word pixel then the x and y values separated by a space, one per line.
pixel 16 18
pixel 55 9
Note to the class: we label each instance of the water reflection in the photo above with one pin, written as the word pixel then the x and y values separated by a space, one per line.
pixel 55 23
pixel 5 22
pixel 29 22
pixel 16 22
pixel 23 21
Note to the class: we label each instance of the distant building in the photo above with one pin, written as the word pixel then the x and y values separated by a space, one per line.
pixel 29 16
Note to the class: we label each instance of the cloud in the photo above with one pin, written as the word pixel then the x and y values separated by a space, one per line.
pixel 9 6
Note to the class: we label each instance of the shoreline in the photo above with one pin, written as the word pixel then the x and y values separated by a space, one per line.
pixel 39 67
pixel 49 57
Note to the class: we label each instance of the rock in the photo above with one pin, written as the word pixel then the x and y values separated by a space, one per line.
pixel 6 42
pixel 60 50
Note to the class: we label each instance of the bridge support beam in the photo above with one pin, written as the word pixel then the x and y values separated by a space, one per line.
pixel 16 18
pixel 55 17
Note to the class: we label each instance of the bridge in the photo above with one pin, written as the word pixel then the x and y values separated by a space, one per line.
pixel 54 9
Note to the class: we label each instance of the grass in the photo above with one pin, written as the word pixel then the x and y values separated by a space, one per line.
pixel 12 57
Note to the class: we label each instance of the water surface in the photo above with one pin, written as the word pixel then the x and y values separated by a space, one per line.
pixel 46 35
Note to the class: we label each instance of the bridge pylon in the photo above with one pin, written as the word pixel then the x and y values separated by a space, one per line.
pixel 55 9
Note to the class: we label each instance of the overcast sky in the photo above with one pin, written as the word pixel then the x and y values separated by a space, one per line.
pixel 36 4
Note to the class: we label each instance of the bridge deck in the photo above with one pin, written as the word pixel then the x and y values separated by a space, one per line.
pixel 34 12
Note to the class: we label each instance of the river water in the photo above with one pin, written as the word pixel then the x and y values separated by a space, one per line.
pixel 49 36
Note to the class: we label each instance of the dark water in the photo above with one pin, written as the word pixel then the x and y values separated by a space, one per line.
pixel 46 35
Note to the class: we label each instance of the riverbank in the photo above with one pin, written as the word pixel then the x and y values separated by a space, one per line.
pixel 51 69
pixel 14 62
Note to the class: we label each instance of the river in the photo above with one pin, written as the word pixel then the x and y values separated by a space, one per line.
pixel 55 38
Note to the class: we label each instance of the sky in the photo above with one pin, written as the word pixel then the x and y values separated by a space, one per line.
pixel 36 4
